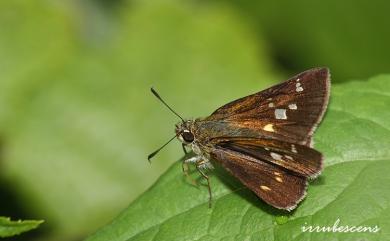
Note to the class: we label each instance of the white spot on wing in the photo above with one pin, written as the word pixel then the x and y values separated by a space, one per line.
pixel 269 127
pixel 271 105
pixel 298 80
pixel 280 114
pixel 275 156
pixel 292 106
pixel 288 157
pixel 298 87
pixel 293 148
pixel 265 188
pixel 279 179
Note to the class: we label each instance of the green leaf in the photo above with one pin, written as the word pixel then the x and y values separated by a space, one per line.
pixel 355 139
pixel 10 228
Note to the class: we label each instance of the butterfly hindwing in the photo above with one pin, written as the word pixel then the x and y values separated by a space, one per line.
pixel 290 110
pixel 299 159
pixel 276 186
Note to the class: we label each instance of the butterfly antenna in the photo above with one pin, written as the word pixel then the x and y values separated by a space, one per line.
pixel 158 97
pixel 155 152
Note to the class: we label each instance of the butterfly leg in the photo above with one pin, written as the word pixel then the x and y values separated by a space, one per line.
pixel 198 167
pixel 185 168
pixel 184 148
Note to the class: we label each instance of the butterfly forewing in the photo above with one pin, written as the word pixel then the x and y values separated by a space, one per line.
pixel 289 111
pixel 276 186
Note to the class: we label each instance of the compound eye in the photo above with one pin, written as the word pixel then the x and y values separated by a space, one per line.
pixel 187 136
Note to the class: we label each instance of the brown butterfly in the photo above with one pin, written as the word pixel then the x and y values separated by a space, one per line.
pixel 264 139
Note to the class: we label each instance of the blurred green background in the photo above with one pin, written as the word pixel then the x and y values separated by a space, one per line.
pixel 77 120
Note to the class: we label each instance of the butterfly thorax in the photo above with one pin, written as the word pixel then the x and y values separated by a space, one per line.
pixel 188 133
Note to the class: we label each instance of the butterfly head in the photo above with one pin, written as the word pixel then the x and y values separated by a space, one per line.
pixel 184 132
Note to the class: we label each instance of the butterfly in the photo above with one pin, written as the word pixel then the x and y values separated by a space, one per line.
pixel 265 140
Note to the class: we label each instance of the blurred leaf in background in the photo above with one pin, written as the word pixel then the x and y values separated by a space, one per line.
pixel 350 37
pixel 77 118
